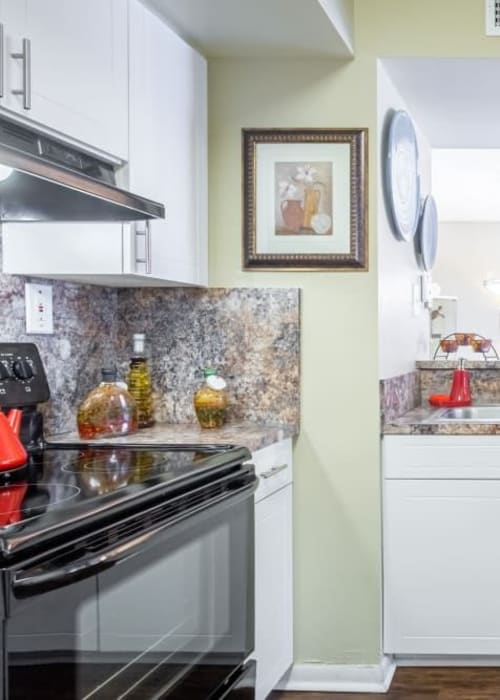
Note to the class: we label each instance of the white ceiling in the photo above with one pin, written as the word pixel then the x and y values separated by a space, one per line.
pixel 456 104
pixel 455 101
pixel 262 28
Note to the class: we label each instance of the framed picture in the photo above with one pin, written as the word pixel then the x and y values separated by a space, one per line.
pixel 305 199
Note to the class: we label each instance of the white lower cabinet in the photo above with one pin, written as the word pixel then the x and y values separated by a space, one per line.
pixel 273 566
pixel 441 561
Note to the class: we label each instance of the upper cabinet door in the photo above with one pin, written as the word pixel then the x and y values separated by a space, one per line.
pixel 71 68
pixel 168 144
pixel 13 16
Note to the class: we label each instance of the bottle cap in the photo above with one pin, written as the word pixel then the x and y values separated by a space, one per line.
pixel 108 374
pixel 215 382
pixel 139 340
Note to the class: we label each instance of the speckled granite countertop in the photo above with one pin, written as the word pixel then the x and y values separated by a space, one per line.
pixel 249 435
pixel 411 424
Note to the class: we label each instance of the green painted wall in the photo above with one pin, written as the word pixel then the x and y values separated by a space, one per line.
pixel 337 464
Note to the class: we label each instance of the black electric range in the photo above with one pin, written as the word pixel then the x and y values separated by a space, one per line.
pixel 127 570
pixel 64 490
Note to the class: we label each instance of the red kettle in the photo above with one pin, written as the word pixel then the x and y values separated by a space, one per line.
pixel 12 452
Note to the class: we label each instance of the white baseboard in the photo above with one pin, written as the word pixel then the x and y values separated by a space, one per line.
pixel 340 678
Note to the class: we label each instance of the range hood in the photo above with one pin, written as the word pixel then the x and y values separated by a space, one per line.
pixel 42 179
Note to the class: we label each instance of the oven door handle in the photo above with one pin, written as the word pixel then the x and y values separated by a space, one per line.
pixel 26 584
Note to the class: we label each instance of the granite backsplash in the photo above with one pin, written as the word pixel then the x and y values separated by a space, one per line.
pixel 436 378
pixel 398 395
pixel 250 335
pixel 84 332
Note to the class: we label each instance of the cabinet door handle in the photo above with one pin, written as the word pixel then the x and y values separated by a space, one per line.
pixel 25 57
pixel 146 232
pixel 273 471
pixel 1 59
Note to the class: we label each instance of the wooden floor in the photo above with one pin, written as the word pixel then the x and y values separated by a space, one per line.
pixel 416 683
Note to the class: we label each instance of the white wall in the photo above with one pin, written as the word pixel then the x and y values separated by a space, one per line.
pixel 403 337
pixel 468 253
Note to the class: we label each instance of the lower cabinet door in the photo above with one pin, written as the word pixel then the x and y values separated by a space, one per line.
pixel 441 566
pixel 273 589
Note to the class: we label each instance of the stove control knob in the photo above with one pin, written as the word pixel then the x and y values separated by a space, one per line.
pixel 22 369
pixel 4 372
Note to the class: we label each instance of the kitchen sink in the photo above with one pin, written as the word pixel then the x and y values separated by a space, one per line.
pixel 467 414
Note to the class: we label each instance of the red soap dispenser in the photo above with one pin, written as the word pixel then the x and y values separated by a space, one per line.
pixel 460 387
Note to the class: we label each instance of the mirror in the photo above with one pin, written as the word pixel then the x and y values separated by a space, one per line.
pixel 466 185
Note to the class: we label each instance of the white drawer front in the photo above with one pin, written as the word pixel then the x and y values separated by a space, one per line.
pixel 273 466
pixel 441 456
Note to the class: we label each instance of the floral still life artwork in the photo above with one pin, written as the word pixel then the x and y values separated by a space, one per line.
pixel 303 198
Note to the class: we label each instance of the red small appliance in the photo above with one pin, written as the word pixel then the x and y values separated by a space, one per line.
pixel 12 452
pixel 460 393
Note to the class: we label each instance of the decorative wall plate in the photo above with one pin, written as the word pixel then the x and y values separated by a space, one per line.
pixel 427 236
pixel 401 176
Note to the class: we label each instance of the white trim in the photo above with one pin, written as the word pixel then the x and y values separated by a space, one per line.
pixel 340 678
pixel 447 660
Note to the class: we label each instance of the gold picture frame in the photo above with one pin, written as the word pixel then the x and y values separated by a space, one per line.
pixel 305 199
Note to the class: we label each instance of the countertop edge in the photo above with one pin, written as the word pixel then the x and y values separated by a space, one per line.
pixel 250 435
pixel 414 422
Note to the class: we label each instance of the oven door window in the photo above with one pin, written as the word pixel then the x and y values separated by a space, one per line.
pixel 171 620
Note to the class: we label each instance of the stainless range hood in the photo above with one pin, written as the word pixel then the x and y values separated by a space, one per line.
pixel 42 179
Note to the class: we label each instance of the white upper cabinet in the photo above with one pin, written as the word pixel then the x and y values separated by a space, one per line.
pixel 167 162
pixel 13 16
pixel 68 74
pixel 168 144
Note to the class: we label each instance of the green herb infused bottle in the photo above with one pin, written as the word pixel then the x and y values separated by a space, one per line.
pixel 210 401
pixel 139 382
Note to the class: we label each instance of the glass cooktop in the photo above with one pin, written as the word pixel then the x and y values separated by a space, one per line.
pixel 63 489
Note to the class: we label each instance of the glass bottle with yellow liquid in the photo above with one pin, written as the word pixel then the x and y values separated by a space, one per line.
pixel 210 400
pixel 139 382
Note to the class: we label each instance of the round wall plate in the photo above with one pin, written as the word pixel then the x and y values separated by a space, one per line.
pixel 401 176
pixel 427 236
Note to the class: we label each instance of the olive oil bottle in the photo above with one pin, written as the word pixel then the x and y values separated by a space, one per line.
pixel 139 382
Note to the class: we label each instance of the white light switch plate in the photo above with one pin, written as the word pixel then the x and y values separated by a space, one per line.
pixel 38 299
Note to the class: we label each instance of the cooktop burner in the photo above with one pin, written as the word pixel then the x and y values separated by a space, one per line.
pixel 100 471
pixel 137 464
pixel 22 500
pixel 67 488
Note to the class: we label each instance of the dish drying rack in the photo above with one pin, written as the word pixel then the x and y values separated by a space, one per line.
pixel 450 344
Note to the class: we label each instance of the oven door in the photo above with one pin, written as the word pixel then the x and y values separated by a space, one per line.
pixel 168 614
